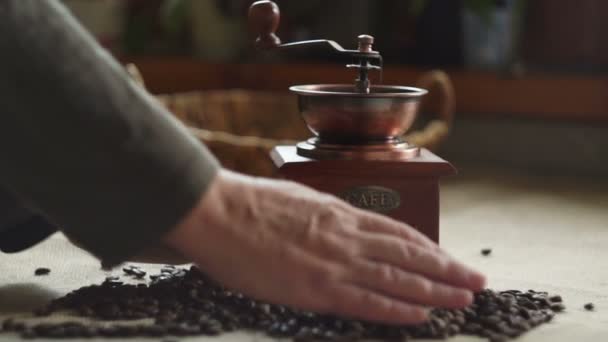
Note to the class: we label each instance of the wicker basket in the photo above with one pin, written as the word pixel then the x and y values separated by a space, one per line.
pixel 241 127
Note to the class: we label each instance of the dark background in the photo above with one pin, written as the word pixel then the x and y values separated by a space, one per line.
pixel 530 76
pixel 561 35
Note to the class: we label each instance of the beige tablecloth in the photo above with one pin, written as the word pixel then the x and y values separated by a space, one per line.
pixel 546 234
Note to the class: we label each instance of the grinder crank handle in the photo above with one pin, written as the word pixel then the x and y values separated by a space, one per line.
pixel 264 18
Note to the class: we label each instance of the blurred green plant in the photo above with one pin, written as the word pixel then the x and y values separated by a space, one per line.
pixel 417 6
pixel 174 15
pixel 157 26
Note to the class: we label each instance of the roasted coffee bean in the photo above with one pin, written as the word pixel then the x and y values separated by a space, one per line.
pixel 56 332
pixel 522 326
pixel 589 307
pixel 42 329
pixel 112 281
pixel 469 313
pixel 128 269
pixel 525 313
pixel 498 338
pixel 42 271
pixel 154 330
pixel 139 273
pixel 75 330
pixel 134 271
pixel 211 330
pixel 29 334
pixel 41 312
pixel 454 329
pixel 131 330
pixel 472 328
pixel 89 331
pixel 492 320
pixel 278 330
pixel 18 326
pixel 527 303
pixel 486 251
pixel 555 299
pixel 303 334
pixel 486 333
pixel 459 321
pixel 536 321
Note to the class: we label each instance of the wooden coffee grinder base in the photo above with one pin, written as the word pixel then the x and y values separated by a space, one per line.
pixel 406 190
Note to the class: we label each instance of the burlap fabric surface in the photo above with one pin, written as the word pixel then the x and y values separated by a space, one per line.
pixel 546 234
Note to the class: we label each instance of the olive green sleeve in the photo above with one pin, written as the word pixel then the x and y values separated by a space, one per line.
pixel 83 143
pixel 21 226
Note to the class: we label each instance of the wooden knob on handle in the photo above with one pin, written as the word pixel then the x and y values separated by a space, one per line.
pixel 264 17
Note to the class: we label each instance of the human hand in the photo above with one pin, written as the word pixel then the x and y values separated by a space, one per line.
pixel 288 244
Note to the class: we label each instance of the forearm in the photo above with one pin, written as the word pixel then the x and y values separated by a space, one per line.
pixel 83 142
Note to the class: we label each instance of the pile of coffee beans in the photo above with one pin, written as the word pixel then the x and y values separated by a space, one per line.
pixel 185 302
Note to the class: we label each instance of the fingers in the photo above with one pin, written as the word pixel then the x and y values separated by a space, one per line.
pixel 358 302
pixel 409 287
pixel 416 259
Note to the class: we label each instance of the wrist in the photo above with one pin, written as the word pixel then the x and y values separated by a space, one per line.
pixel 192 232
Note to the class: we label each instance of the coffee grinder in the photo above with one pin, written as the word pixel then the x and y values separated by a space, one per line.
pixel 357 152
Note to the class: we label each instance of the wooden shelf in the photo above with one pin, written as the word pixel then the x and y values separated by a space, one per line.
pixel 479 94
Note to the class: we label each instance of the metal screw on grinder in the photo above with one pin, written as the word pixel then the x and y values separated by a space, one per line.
pixel 365 43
